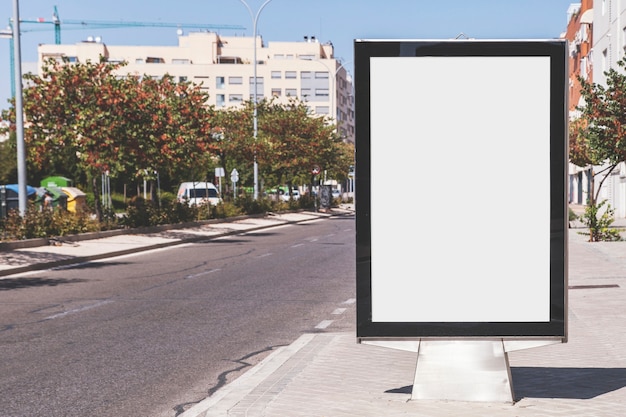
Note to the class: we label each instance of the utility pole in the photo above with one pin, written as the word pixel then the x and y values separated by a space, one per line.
pixel 255 20
pixel 19 117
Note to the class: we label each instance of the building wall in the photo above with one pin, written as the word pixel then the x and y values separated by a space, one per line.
pixel 223 66
pixel 579 34
pixel 608 47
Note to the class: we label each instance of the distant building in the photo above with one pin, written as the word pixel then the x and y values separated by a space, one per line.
pixel 223 66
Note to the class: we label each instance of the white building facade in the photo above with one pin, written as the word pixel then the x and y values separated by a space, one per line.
pixel 609 46
pixel 224 67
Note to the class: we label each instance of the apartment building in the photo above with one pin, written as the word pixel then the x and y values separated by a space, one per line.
pixel 579 34
pixel 609 46
pixel 224 67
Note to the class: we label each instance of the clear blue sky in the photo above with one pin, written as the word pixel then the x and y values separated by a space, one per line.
pixel 338 21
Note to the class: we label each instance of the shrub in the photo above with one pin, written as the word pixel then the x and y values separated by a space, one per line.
pixel 138 213
pixel 599 225
pixel 38 223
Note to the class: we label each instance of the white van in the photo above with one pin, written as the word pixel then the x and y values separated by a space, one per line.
pixel 198 193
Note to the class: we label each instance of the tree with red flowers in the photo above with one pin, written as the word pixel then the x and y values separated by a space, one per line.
pixel 85 115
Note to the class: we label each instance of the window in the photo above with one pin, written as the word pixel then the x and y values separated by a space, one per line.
pixel 182 79
pixel 321 74
pixel 321 92
pixel 305 92
pixel 139 61
pixel 235 80
pixel 220 100
pixel 259 80
pixel 229 60
pixel 235 98
pixel 155 60
pixel 307 57
pixel 322 110
pixel 290 74
pixel 605 55
pixel 305 74
pixel 178 61
pixel 219 83
pixel 276 92
pixel 277 75
pixel 291 92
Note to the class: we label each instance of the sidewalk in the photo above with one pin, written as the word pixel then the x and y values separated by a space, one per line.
pixel 330 375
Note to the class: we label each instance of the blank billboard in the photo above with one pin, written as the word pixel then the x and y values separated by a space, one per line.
pixel 461 188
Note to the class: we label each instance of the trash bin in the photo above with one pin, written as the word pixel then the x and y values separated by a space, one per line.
pixel 9 197
pixel 57 182
pixel 76 199
pixel 58 198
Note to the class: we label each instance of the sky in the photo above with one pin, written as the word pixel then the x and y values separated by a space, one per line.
pixel 337 21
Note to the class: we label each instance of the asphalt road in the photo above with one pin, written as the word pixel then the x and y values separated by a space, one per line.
pixel 154 333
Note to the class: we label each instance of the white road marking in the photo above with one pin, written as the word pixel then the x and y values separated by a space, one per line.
pixel 264 255
pixel 350 301
pixel 339 311
pixel 297 244
pixel 324 324
pixel 78 310
pixel 210 271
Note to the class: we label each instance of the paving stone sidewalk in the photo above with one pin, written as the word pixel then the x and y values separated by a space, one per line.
pixel 330 375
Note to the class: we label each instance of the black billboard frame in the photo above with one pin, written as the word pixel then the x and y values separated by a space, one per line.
pixel 556 327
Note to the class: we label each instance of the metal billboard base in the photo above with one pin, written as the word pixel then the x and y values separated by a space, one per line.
pixel 462 370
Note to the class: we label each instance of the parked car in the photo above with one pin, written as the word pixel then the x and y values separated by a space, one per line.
pixel 295 194
pixel 198 192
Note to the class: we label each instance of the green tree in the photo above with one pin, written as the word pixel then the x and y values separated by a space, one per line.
pixel 599 137
pixel 295 142
pixel 8 160
pixel 232 144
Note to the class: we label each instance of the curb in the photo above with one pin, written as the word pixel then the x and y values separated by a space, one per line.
pixel 231 394
pixel 30 243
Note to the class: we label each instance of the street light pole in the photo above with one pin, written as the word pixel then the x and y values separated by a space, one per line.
pixel 19 118
pixel 255 19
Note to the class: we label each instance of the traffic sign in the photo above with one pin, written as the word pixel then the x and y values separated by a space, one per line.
pixel 316 170
pixel 234 175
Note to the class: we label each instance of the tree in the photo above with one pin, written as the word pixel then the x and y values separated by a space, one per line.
pixel 232 133
pixel 296 141
pixel 84 115
pixel 599 137
pixel 169 128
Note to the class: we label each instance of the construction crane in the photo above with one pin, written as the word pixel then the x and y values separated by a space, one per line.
pixel 97 24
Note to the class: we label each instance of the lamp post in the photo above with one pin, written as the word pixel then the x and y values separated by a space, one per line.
pixel 19 118
pixel 255 19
